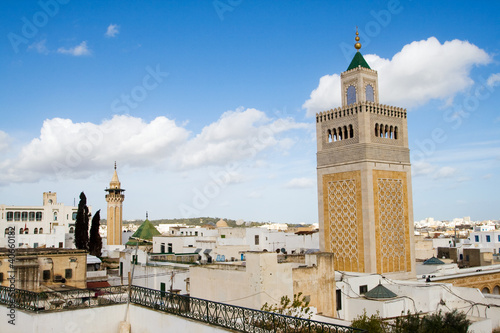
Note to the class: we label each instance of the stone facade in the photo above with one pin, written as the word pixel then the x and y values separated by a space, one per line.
pixel 487 282
pixel 31 269
pixel 364 181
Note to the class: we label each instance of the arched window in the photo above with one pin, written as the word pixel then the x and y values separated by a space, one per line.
pixel 71 230
pixel 55 216
pixel 17 216
pixel 395 133
pixel 496 290
pixel 386 131
pixel 391 133
pixel 6 231
pixel 40 231
pixel 485 290
pixel 35 231
pixel 345 132
pixel 330 136
pixel 20 231
pixel 351 95
pixel 340 135
pixel 38 216
pixel 376 130
pixel 335 135
pixel 370 96
pixel 351 131
pixel 10 216
pixel 24 216
pixel 32 216
pixel 27 231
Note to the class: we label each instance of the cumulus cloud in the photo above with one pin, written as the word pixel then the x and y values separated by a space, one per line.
pixel 236 135
pixel 112 30
pixel 66 149
pixel 301 183
pixel 326 96
pixel 445 172
pixel 39 47
pixel 421 71
pixel 77 51
pixel 4 141
pixel 493 80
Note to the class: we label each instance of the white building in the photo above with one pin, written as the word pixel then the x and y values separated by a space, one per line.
pixel 489 239
pixel 229 244
pixel 37 226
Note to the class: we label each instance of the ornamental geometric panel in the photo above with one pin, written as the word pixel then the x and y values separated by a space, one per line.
pixel 342 205
pixel 393 252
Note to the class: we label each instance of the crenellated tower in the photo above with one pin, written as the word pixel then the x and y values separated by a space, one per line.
pixel 115 199
pixel 364 178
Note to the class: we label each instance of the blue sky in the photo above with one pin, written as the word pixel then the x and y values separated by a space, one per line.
pixel 208 106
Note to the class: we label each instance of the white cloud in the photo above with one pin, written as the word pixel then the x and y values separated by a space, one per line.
pixel 445 172
pixel 71 150
pixel 422 168
pixel 421 71
pixel 237 135
pixel 4 141
pixel 39 47
pixel 493 80
pixel 112 30
pixel 325 97
pixel 79 50
pixel 75 150
pixel 301 183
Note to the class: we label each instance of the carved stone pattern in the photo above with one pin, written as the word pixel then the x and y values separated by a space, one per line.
pixel 392 225
pixel 342 210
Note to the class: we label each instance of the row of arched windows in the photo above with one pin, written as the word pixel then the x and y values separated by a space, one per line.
pixel 24 216
pixel 35 231
pixel 386 131
pixel 351 94
pixel 496 290
pixel 340 133
pixel 26 231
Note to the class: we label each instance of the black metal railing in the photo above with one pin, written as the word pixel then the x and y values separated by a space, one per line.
pixel 224 315
pixel 62 300
pixel 230 316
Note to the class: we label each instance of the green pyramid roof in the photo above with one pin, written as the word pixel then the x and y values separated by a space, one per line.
pixel 358 60
pixel 380 292
pixel 433 261
pixel 145 232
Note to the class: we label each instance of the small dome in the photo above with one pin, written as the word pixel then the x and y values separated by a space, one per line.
pixel 221 224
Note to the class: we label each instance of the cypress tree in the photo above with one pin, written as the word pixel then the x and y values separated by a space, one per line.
pixel 95 241
pixel 82 224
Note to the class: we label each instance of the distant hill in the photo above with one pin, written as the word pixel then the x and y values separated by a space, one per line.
pixel 202 221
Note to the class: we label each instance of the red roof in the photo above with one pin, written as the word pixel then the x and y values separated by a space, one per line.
pixel 98 284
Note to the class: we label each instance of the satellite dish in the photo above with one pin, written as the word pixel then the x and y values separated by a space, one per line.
pixel 283 250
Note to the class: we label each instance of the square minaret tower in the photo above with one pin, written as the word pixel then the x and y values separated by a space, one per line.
pixel 364 179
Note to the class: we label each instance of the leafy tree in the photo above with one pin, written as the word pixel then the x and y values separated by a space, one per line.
pixel 95 241
pixel 372 324
pixel 82 224
pixel 450 322
pixel 407 324
pixel 299 307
